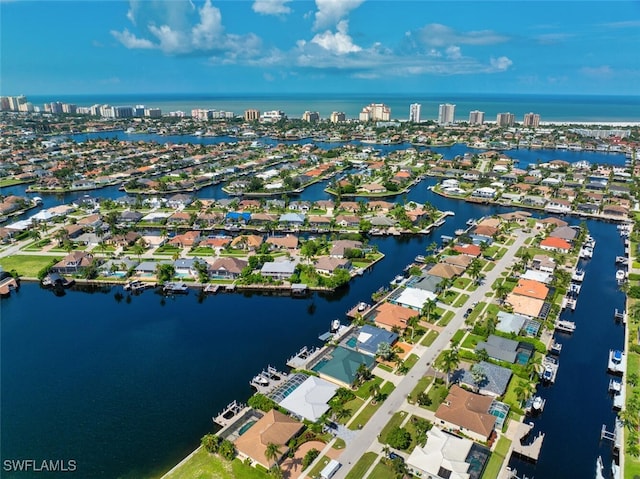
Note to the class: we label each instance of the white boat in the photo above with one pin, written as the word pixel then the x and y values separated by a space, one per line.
pixel 578 275
pixel 420 259
pixel 335 325
pixel 599 468
pixel 397 280
pixel 362 306
pixel 615 385
pixel 622 260
pixel 586 252
pixel 537 404
pixel 617 361
pixel 260 380
pixel 615 470
pixel 620 275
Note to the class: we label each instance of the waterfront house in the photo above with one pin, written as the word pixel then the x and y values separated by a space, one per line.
pixel 75 262
pixel 494 383
pixel 555 244
pixel 458 260
pixel 467 412
pixel 566 233
pixel 368 339
pixel 288 242
pixel 556 205
pixel 615 210
pixel 179 200
pixel 310 400
pixel 531 289
pixel 292 219
pixel 117 267
pixel 503 349
pixel 339 247
pixel 525 305
pixel 484 192
pixel 510 322
pixel 552 221
pixel 544 263
pixel 390 316
pixel 589 208
pixel 247 242
pixel 381 221
pixel 412 298
pixel 216 243
pixel 468 249
pixel 130 217
pixel 485 230
pixel 263 218
pixel 372 188
pixel 279 270
pixel 179 218
pixel 237 217
pixel 187 267
pixel 226 268
pixel 186 240
pixel 272 428
pixel 92 221
pixel 329 265
pixel 443 455
pixel 446 271
pixel 428 282
pixel 348 221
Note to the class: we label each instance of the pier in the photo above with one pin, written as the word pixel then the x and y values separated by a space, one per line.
pixel 227 415
pixel 565 326
pixel 530 451
pixel 620 315
pixel 7 285
pixel 302 358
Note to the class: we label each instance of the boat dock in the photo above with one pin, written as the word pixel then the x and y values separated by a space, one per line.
pixel 616 436
pixel 360 309
pixel 531 450
pixel 620 315
pixel 555 348
pixel 7 285
pixel 211 288
pixel 550 369
pixel 578 275
pixel 565 326
pixel 302 358
pixel 268 379
pixel 569 302
pixel 227 415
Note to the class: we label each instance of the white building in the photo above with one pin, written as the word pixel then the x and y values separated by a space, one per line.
pixel 337 117
pixel 375 112
pixel 446 114
pixel 443 455
pixel 414 112
pixel 476 117
pixel 272 116
pixel 505 119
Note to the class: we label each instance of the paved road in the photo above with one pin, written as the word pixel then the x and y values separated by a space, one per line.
pixel 367 437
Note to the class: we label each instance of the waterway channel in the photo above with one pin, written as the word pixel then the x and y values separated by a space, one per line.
pixel 126 385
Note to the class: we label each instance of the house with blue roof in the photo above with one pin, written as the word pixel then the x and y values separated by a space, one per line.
pixel 291 219
pixel 237 217
pixel 368 338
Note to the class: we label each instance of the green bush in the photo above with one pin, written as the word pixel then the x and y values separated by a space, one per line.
pixel 399 438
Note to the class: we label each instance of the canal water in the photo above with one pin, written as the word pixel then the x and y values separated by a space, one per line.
pixel 126 385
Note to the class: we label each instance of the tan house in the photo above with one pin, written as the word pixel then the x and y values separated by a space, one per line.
pixel 273 428
pixel 467 412
pixel 283 242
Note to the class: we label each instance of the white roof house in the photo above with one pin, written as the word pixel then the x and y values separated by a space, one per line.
pixel 309 400
pixel 414 298
pixel 442 451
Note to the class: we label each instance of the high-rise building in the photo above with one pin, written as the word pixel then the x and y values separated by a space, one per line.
pixel 531 120
pixel 476 117
pixel 122 111
pixel 69 108
pixel 414 112
pixel 446 114
pixel 251 115
pixel 311 116
pixel 153 112
pixel 505 119
pixel 337 117
pixel 375 112
pixel 273 116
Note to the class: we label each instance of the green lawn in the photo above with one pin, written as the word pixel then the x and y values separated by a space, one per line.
pixel 317 469
pixel 448 297
pixel 362 466
pixel 437 393
pixel 352 406
pixel 494 465
pixel 25 265
pixel 471 340
pixel 489 267
pixel 461 283
pixel 448 316
pixel 411 361
pixel 382 471
pixel 395 421
pixel 457 337
pixel 363 391
pixel 203 465
pixel 420 386
pixel 370 409
pixel 386 368
pixel 338 443
pixel 461 300
pixel 429 338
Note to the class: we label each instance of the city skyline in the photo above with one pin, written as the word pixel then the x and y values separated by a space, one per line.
pixel 280 46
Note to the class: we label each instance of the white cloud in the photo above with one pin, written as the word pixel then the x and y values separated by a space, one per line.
pixel 501 63
pixel 453 52
pixel 129 40
pixel 131 16
pixel 205 33
pixel 330 12
pixel 271 7
pixel 171 41
pixel 339 43
pixel 438 35
pixel 604 71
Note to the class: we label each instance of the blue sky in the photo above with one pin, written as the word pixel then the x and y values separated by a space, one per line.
pixel 333 46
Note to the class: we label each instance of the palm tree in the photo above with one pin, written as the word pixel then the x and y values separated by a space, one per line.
pixel 501 291
pixel 524 390
pixel 629 419
pixel 342 413
pixel 412 322
pixel 478 374
pixel 429 304
pixel 272 452
pixel 449 362
pixel 374 391
pixel 474 269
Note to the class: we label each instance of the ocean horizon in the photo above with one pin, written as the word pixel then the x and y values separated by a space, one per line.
pixel 613 109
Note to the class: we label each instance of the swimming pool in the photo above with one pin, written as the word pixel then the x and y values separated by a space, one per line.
pixel 352 342
pixel 246 426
